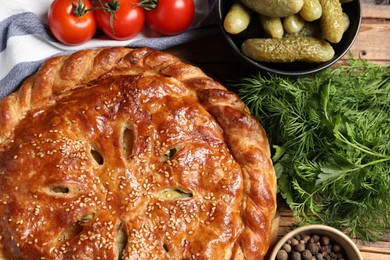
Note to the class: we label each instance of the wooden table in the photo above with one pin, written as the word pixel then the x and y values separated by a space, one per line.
pixel 214 56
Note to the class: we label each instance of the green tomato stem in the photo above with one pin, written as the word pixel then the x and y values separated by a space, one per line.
pixel 148 5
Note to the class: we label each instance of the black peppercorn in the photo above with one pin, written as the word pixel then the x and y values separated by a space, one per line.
pixel 287 247
pixel 296 256
pixel 325 240
pixel 306 255
pixel 300 247
pixel 316 238
pixel 282 255
pixel 294 242
pixel 313 248
pixel 306 238
pixel 336 248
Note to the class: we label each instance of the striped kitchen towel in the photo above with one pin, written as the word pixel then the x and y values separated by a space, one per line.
pixel 26 42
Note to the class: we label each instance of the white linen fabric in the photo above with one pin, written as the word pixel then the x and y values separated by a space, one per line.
pixel 26 41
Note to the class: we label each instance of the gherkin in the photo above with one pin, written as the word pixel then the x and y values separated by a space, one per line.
pixel 272 8
pixel 332 21
pixel 290 49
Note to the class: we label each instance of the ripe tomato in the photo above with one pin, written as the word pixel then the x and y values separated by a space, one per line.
pixel 120 19
pixel 71 22
pixel 171 17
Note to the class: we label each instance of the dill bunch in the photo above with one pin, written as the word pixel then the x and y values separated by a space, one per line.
pixel 330 137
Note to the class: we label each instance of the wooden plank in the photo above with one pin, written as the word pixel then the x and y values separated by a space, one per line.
pixel 374 256
pixel 371 11
pixel 372 42
pixel 375 247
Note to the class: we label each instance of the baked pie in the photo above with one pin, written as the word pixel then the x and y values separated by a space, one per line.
pixel 119 153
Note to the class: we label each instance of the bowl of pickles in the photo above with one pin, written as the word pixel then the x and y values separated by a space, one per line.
pixel 290 37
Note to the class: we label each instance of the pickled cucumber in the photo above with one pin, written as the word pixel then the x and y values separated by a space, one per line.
pixel 304 48
pixel 272 8
pixel 237 19
pixel 311 10
pixel 346 21
pixel 309 29
pixel 332 20
pixel 272 26
pixel 293 23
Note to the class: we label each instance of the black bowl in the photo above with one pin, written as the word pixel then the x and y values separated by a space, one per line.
pixel 353 9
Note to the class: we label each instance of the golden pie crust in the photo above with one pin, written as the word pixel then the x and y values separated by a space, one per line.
pixel 126 153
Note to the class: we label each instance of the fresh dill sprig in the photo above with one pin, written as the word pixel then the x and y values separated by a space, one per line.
pixel 330 135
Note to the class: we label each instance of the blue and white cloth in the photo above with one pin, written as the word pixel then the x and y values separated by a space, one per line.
pixel 26 42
